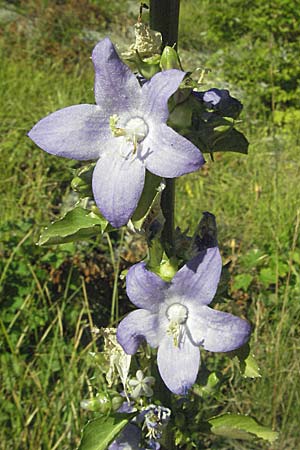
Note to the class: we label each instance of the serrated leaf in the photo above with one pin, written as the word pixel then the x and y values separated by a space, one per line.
pixel 237 426
pixel 100 432
pixel 77 224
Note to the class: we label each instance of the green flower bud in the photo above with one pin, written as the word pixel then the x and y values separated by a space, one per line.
pixel 101 403
pixel 168 269
pixel 116 402
pixel 169 59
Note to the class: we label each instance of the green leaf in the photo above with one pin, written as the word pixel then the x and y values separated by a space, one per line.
pixel 268 276
pixel 242 281
pixel 100 432
pixel 207 386
pixel 77 224
pixel 232 141
pixel 250 367
pixel 237 426
pixel 252 259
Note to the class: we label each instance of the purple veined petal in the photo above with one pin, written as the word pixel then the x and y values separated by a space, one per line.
pixel 178 366
pixel 217 331
pixel 116 88
pixel 129 438
pixel 157 91
pixel 137 326
pixel 77 132
pixel 144 288
pixel 118 181
pixel 168 154
pixel 197 281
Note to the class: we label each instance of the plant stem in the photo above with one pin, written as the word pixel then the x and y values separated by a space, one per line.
pixel 164 17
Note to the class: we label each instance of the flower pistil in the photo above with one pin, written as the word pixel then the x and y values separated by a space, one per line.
pixel 177 315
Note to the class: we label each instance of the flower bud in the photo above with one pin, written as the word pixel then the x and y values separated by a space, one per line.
pixel 101 403
pixel 169 59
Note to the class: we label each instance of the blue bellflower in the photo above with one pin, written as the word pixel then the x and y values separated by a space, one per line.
pixel 125 131
pixel 174 317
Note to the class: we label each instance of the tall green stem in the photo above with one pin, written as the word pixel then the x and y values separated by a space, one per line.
pixel 164 17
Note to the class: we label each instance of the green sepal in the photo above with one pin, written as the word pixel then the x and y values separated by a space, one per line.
pixel 77 224
pixel 100 432
pixel 236 426
pixel 149 194
pixel 147 67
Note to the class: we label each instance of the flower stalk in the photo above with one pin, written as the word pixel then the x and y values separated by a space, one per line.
pixel 164 17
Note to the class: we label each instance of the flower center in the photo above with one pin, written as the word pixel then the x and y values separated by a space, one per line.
pixel 177 315
pixel 134 131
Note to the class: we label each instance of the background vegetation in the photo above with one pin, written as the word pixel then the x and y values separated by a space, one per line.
pixel 52 297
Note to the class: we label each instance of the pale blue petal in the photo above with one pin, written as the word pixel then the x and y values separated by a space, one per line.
pixel 217 331
pixel 178 366
pixel 136 327
pixel 78 132
pixel 168 154
pixel 198 279
pixel 116 88
pixel 157 91
pixel 144 288
pixel 118 181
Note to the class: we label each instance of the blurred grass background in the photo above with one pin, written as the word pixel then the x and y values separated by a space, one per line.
pixel 51 297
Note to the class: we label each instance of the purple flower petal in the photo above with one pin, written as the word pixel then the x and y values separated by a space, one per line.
pixel 217 331
pixel 116 88
pixel 198 279
pixel 178 366
pixel 78 132
pixel 168 154
pixel 118 181
pixel 144 288
pixel 137 326
pixel 157 91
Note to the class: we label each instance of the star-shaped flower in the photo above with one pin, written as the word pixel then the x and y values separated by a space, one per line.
pixel 175 318
pixel 141 385
pixel 125 131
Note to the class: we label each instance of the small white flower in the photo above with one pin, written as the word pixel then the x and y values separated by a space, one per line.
pixel 141 385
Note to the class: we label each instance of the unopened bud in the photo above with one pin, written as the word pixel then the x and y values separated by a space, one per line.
pixel 169 59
